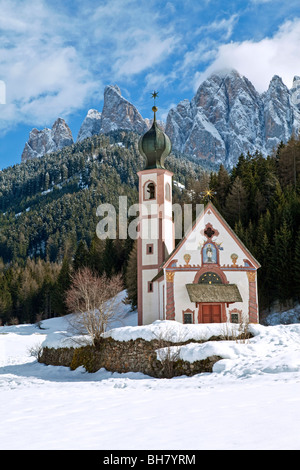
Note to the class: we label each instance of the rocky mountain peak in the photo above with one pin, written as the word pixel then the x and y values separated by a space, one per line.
pixel 295 91
pixel 61 133
pixel 281 118
pixel 90 126
pixel 227 117
pixel 45 141
pixel 118 113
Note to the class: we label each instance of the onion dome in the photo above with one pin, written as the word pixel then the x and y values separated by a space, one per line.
pixel 155 145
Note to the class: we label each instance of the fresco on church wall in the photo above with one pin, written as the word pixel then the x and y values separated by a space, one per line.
pixel 209 253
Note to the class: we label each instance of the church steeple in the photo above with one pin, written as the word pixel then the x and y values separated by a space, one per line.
pixel 154 145
pixel 156 231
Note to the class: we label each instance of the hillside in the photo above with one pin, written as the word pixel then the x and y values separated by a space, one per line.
pixel 48 219
pixel 50 202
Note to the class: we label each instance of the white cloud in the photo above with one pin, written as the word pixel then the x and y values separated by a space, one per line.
pixel 260 61
pixel 224 26
pixel 52 62
pixel 136 42
pixel 147 51
pixel 2 92
pixel 45 76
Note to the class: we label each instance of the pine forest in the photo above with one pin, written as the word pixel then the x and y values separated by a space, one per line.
pixel 48 219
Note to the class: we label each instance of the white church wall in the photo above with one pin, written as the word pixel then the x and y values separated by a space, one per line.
pixel 241 280
pixel 224 240
pixel 181 296
pixel 161 300
pixel 150 299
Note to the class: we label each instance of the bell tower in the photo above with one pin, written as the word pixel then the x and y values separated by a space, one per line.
pixel 156 232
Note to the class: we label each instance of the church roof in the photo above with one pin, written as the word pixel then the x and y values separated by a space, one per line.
pixel 154 145
pixel 214 293
pixel 211 207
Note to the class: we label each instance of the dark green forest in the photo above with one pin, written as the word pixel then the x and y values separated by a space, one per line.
pixel 48 219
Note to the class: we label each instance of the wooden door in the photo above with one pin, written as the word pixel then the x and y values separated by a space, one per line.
pixel 211 313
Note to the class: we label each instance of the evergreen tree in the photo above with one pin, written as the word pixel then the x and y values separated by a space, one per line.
pixel 282 262
pixel 96 254
pixel 266 291
pixel 5 302
pixel 109 258
pixel 81 258
pixel 131 277
pixel 289 162
pixel 296 267
pixel 62 285
pixel 236 202
pixel 222 185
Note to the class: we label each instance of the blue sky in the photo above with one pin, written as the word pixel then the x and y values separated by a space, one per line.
pixel 56 57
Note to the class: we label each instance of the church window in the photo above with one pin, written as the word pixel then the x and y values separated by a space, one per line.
pixel 149 191
pixel 150 286
pixel 234 318
pixel 209 232
pixel 187 318
pixel 210 278
pixel 149 249
pixel 168 192
pixel 235 315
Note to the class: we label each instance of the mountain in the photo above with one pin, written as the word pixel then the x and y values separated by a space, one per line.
pixel 227 117
pixel 47 140
pixel 117 113
pixel 295 91
pixel 90 126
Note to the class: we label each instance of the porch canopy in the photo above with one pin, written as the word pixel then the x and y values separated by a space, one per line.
pixel 214 293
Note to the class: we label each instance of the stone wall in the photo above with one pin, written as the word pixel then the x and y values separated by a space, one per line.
pixel 126 356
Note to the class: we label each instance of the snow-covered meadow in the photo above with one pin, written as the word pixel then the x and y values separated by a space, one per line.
pixel 250 401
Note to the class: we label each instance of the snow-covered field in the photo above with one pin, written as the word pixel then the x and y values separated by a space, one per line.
pixel 250 401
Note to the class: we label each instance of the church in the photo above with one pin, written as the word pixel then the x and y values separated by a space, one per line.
pixel 210 276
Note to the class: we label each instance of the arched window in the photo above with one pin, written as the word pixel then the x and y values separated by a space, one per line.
pixel 168 192
pixel 149 192
pixel 210 278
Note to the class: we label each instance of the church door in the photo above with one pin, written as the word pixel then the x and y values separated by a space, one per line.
pixel 209 313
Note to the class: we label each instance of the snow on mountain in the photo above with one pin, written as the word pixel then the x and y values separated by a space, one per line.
pixel 281 117
pixel 118 113
pixel 250 401
pixel 227 117
pixel 295 91
pixel 47 140
pixel 90 126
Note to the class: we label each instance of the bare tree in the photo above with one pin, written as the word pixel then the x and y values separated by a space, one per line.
pixel 94 301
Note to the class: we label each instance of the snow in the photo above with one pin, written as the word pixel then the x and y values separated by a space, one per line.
pixel 251 400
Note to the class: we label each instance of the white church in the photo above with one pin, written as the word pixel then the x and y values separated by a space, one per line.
pixel 210 276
